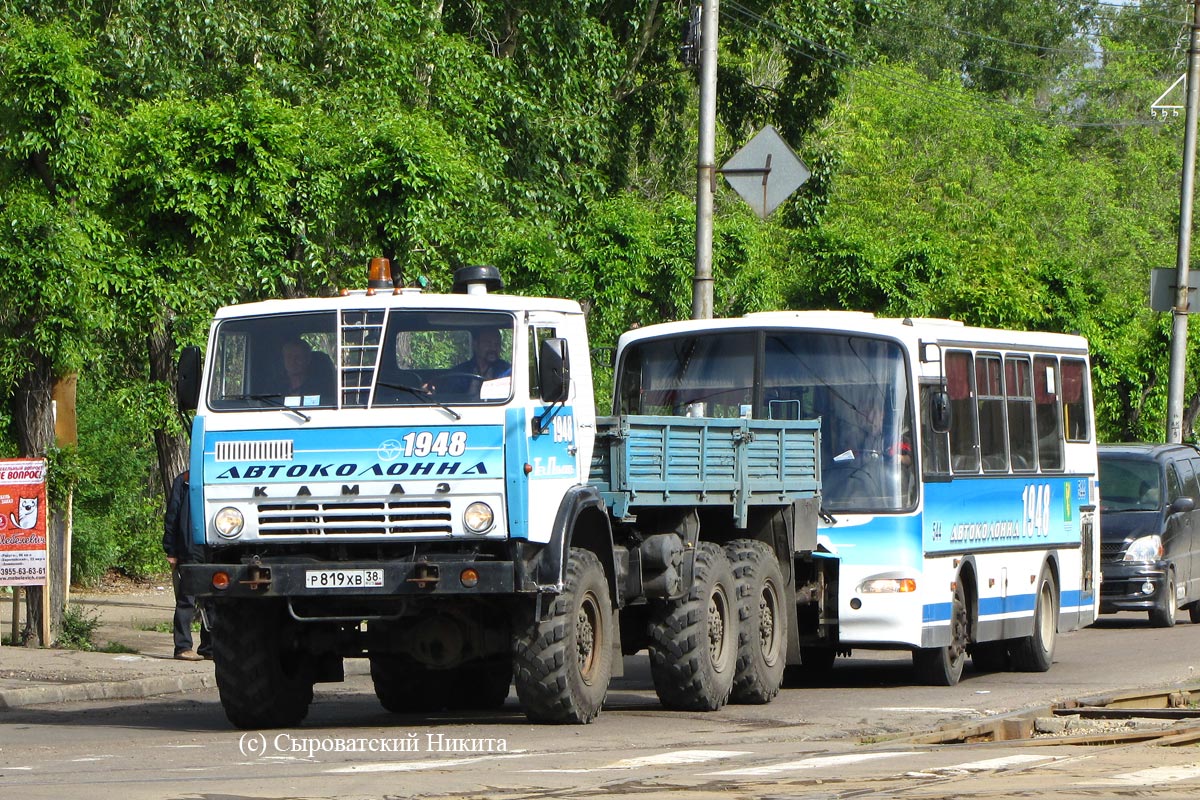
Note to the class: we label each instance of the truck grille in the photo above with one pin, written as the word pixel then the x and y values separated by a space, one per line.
pixel 339 516
pixel 281 450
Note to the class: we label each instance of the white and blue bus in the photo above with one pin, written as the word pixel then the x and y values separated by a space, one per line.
pixel 959 484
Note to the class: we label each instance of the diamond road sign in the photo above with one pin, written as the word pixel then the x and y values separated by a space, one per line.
pixel 765 172
pixel 1163 285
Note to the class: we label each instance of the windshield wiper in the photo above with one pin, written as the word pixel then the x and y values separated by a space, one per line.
pixel 421 394
pixel 273 399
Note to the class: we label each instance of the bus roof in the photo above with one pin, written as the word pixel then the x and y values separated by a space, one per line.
pixel 910 330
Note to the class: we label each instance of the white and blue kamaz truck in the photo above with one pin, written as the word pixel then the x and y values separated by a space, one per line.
pixel 422 480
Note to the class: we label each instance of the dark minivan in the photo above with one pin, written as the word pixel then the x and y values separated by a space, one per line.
pixel 1149 524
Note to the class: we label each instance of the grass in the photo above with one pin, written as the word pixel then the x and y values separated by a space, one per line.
pixel 116 647
pixel 165 627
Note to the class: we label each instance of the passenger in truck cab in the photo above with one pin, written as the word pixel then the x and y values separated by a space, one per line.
pixel 306 371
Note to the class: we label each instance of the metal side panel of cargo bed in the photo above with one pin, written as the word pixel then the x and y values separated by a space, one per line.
pixel 685 461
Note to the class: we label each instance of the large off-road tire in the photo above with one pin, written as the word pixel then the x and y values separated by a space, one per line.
pixel 404 687
pixel 762 617
pixel 1163 615
pixel 481 685
pixel 1035 653
pixel 943 666
pixel 693 640
pixel 262 681
pixel 562 665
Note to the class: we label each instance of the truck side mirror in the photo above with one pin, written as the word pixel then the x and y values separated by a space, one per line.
pixel 939 411
pixel 554 370
pixel 187 379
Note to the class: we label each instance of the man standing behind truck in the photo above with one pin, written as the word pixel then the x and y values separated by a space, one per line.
pixel 175 545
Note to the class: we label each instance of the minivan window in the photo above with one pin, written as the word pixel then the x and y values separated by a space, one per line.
pixel 1174 490
pixel 1128 484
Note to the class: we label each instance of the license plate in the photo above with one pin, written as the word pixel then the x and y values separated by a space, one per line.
pixel 343 578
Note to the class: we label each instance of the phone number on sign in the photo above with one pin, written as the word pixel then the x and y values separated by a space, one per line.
pixel 22 572
pixel 343 578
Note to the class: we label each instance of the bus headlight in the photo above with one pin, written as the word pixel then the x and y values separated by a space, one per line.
pixel 888 585
pixel 478 518
pixel 229 522
pixel 1147 548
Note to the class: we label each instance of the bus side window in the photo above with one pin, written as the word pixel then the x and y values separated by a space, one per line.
pixel 989 389
pixel 1046 413
pixel 964 436
pixel 1074 397
pixel 1019 395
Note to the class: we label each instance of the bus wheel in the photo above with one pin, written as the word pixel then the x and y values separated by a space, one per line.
pixel 562 665
pixel 943 666
pixel 990 656
pixel 693 640
pixel 1163 613
pixel 762 622
pixel 1035 653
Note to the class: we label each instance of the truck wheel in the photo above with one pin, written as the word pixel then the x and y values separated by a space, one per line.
pixel 693 640
pixel 1163 613
pixel 943 666
pixel 562 665
pixel 263 683
pixel 1035 653
pixel 404 687
pixel 481 685
pixel 762 622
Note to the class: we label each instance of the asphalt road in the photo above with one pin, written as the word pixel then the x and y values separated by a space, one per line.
pixel 832 738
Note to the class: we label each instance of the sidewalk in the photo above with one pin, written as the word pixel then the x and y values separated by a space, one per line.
pixel 139 620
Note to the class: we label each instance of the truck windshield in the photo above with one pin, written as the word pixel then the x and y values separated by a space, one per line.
pixel 358 358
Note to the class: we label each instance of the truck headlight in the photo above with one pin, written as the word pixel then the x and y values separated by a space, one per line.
pixel 478 518
pixel 1147 548
pixel 229 522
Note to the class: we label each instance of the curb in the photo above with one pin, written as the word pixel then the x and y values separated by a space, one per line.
pixel 135 688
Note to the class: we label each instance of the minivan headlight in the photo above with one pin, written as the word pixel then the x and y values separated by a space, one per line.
pixel 1147 548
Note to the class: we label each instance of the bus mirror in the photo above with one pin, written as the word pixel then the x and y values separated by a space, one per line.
pixel 554 370
pixel 939 411
pixel 187 379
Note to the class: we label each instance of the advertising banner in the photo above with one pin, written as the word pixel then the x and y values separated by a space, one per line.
pixel 23 516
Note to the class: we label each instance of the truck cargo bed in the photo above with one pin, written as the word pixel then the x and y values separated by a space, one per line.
pixel 685 461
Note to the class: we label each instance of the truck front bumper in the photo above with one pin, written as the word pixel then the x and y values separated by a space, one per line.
pixel 285 578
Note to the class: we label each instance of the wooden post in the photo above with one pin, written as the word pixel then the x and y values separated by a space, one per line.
pixel 16 616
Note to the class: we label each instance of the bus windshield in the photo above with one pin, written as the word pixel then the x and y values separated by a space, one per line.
pixel 856 385
pixel 358 358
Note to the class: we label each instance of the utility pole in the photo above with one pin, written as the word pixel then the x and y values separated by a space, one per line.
pixel 1179 323
pixel 706 175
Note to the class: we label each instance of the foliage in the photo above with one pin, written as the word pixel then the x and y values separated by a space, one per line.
pixel 118 517
pixel 980 161
pixel 78 628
